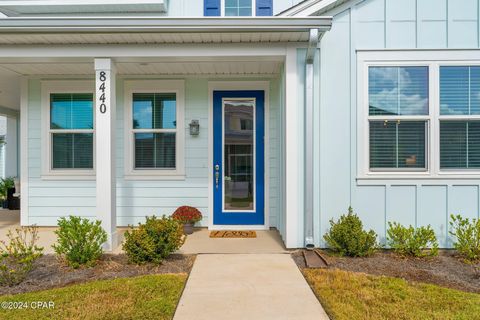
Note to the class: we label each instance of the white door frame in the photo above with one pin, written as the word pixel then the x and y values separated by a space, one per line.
pixel 238 85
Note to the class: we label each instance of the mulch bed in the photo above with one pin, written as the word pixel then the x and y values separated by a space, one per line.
pixel 446 270
pixel 49 272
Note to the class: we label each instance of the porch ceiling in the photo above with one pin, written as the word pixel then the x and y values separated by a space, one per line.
pixel 196 68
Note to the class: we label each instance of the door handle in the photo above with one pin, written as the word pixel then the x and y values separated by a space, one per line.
pixel 217 175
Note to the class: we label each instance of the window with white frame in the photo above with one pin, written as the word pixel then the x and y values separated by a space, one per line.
pixel 420 117
pixel 238 8
pixel 459 117
pixel 71 130
pixel 398 117
pixel 68 137
pixel 155 130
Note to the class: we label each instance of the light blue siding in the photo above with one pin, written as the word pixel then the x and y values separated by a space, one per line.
pixel 463 24
pixel 401 23
pixel 432 23
pixel 334 122
pixel 433 213
pixel 385 24
pixel 401 204
pixel 50 200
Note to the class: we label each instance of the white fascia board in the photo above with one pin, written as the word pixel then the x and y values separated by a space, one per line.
pixel 43 7
pixel 307 8
pixel 162 24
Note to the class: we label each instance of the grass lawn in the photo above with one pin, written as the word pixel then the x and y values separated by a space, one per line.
pixel 145 297
pixel 347 295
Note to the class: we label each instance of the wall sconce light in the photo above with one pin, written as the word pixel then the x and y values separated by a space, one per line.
pixel 194 128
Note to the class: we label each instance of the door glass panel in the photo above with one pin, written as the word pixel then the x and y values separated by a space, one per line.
pixel 239 154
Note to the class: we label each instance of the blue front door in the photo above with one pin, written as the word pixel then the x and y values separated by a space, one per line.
pixel 238 155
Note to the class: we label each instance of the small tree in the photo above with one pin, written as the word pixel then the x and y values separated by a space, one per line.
pixel 347 237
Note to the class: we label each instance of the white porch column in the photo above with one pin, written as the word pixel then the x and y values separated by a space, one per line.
pixel 105 148
pixel 293 141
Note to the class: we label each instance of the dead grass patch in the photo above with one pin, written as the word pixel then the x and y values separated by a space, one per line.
pixel 349 295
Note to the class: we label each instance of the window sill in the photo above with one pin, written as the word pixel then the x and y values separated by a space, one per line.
pixel 409 178
pixel 69 176
pixel 153 176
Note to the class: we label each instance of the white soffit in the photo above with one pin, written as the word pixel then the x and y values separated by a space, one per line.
pixel 186 68
pixel 75 7
pixel 152 38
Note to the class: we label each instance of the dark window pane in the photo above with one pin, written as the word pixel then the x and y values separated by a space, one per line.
pixel 71 111
pixel 474 144
pixel 398 90
pixel 395 145
pixel 383 153
pixel 411 144
pixel 460 144
pixel 155 151
pixel 154 111
pixel 453 144
pixel 72 151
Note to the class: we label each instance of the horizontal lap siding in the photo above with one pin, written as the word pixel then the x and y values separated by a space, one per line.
pixel 50 200
pixel 136 199
pixel 386 24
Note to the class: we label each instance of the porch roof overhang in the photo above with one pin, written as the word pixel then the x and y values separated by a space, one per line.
pixel 147 30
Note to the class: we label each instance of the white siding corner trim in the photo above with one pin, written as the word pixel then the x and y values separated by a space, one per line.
pixel 63 86
pixel 24 152
pixel 238 85
pixel 155 86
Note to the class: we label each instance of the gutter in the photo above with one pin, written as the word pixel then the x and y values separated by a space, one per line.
pixel 162 24
pixel 314 39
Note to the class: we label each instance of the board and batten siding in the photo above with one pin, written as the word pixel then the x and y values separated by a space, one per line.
pixel 386 24
pixel 52 199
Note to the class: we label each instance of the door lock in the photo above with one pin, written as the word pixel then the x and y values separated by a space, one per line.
pixel 217 175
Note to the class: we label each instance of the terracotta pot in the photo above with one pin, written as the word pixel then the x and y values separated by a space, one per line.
pixel 188 228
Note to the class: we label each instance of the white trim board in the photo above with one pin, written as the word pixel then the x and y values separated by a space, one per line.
pixel 238 85
pixel 24 174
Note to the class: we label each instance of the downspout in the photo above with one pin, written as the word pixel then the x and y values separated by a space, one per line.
pixel 309 144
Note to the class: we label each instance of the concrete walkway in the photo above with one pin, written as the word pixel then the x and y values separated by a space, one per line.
pixel 267 241
pixel 247 286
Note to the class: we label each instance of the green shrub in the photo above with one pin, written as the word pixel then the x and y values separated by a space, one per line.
pixel 467 235
pixel 347 237
pixel 79 241
pixel 154 240
pixel 5 184
pixel 17 257
pixel 416 242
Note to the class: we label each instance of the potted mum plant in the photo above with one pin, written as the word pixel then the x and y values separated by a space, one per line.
pixel 187 216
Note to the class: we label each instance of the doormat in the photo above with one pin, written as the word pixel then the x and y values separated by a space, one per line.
pixel 233 234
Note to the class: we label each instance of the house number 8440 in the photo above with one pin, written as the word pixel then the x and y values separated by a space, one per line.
pixel 102 98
